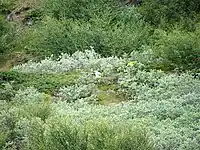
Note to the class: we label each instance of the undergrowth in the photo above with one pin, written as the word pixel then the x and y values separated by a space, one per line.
pixel 127 105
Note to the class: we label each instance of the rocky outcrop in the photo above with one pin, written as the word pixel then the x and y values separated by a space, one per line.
pixel 19 15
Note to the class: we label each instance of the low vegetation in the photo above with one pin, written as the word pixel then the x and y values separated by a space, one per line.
pixel 99 75
pixel 164 108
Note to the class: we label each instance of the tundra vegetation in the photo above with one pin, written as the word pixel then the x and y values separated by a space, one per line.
pixel 99 75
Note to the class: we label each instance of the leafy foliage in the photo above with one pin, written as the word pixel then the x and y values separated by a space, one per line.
pixel 68 36
pixel 6 5
pixel 162 13
pixel 87 8
pixel 165 106
pixel 86 97
pixel 179 49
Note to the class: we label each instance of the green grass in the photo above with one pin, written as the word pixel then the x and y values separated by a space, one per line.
pixel 47 83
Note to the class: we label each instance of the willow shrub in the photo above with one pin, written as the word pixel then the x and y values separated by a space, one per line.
pixel 178 49
pixel 106 36
pixel 86 8
pixel 163 13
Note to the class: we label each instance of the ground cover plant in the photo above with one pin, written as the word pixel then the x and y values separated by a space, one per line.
pixel 164 108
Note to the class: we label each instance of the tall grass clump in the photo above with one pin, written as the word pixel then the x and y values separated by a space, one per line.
pixel 63 133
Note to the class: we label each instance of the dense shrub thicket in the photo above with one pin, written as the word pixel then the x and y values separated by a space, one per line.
pixel 86 10
pixel 163 13
pixel 178 49
pixel 47 83
pixel 169 28
pixel 108 35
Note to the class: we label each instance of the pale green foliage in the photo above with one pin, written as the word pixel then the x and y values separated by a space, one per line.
pixel 79 60
pixel 165 105
pixel 75 92
pixel 158 85
pixel 29 95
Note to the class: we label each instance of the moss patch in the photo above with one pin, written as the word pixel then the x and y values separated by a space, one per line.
pixel 107 94
pixel 108 97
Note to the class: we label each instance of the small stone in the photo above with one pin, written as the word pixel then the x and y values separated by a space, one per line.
pixel 97 74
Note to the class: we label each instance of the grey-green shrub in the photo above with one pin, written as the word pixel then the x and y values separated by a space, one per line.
pixel 88 60
pixel 166 104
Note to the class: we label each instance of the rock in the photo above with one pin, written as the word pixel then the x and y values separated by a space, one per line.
pixel 97 74
pixel 29 22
